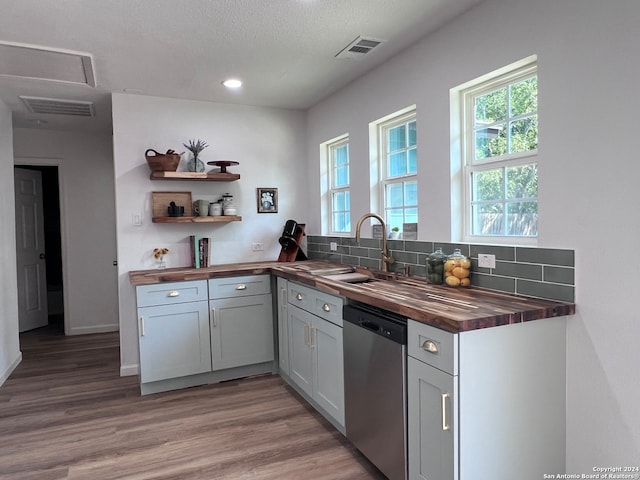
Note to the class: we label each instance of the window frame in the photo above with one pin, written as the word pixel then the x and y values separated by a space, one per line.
pixel 401 118
pixel 332 147
pixel 470 165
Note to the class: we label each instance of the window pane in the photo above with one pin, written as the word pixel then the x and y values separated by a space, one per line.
pixel 397 138
pixel 488 219
pixel 412 133
pixel 491 107
pixel 395 218
pixel 342 155
pixel 522 181
pixel 410 215
pixel 338 201
pixel 341 176
pixel 397 164
pixel 339 224
pixel 522 218
pixel 488 185
pixel 394 195
pixel 411 193
pixel 524 134
pixel 491 141
pixel 524 97
pixel 413 161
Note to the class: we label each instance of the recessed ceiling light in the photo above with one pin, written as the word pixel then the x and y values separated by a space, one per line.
pixel 232 83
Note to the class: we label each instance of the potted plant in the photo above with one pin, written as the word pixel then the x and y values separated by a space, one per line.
pixel 394 233
pixel 195 164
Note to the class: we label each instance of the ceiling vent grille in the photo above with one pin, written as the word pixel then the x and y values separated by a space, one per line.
pixel 358 48
pixel 56 106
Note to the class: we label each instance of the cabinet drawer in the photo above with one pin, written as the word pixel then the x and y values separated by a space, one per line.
pixel 433 346
pixel 239 286
pixel 171 293
pixel 319 303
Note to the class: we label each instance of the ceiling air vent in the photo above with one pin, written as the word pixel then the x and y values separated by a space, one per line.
pixel 57 106
pixel 358 48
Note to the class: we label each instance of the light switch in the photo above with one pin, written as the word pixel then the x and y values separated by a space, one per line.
pixel 136 219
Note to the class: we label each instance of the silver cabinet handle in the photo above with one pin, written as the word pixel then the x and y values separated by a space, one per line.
pixel 306 336
pixel 142 326
pixel 213 317
pixel 173 293
pixel 326 307
pixel 312 337
pixel 241 286
pixel 298 296
pixel 445 426
pixel 283 297
pixel 430 346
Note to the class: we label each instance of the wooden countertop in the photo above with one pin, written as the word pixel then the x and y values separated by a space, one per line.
pixel 451 309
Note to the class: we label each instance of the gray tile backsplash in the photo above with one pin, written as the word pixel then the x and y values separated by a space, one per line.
pixel 539 272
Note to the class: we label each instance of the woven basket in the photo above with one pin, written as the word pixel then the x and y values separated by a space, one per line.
pixel 162 162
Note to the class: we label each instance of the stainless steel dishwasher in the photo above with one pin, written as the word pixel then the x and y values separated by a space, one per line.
pixel 375 373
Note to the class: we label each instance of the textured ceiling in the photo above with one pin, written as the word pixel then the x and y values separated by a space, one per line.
pixel 283 50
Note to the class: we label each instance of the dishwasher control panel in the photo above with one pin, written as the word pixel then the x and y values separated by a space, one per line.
pixel 386 324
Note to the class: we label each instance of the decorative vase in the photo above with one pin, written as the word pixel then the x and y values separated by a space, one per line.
pixel 195 164
pixel 161 263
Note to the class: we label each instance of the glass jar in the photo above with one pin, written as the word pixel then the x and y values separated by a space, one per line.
pixel 435 267
pixel 457 269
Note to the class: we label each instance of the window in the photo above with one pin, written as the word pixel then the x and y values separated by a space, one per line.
pixel 339 193
pixel 399 168
pixel 501 145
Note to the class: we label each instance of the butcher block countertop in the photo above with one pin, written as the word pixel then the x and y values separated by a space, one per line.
pixel 451 309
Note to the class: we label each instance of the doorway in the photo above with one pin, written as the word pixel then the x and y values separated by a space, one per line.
pixel 53 245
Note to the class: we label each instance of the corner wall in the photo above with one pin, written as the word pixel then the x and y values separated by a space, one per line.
pixel 269 145
pixel 10 355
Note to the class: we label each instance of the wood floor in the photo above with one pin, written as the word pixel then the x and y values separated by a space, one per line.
pixel 66 414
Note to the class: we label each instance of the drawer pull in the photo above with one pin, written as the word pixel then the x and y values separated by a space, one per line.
pixel 326 307
pixel 298 297
pixel 445 425
pixel 430 346
pixel 213 317
pixel 241 286
pixel 142 326
pixel 173 293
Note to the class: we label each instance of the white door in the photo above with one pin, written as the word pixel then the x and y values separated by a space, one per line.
pixel 32 279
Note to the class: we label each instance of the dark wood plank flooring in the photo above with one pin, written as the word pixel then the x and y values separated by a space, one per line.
pixel 65 413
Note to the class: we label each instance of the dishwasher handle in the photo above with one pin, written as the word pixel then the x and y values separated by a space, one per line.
pixel 373 326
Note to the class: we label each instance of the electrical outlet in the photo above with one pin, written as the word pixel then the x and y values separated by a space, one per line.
pixel 486 261
pixel 257 247
pixel 333 246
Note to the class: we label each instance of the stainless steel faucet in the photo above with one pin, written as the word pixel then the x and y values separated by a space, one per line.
pixel 386 259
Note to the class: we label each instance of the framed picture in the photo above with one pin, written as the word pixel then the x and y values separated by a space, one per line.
pixel 267 200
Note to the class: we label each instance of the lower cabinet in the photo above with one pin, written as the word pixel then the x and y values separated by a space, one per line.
pixel 174 340
pixel 197 332
pixel 486 403
pixel 241 331
pixel 316 361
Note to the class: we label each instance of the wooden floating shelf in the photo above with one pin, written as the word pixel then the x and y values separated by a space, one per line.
pixel 203 219
pixel 202 176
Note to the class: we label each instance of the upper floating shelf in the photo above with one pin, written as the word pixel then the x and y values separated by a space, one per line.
pixel 204 176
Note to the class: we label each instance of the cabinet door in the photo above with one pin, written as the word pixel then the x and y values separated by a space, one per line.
pixel 174 341
pixel 433 422
pixel 241 331
pixel 300 354
pixel 328 375
pixel 283 327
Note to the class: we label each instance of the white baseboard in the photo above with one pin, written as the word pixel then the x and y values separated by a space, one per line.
pixel 129 370
pixel 10 368
pixel 113 327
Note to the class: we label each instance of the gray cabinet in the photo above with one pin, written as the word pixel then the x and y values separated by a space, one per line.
pixel 241 321
pixel 173 330
pixel 315 352
pixel 486 403
pixel 283 327
pixel 197 332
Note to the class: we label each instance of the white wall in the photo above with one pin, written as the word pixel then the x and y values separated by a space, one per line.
pixel 589 71
pixel 85 172
pixel 10 355
pixel 268 143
